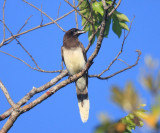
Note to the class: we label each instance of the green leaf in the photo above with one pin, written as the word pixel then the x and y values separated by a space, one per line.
pixel 86 28
pixel 84 11
pixel 108 23
pixel 124 26
pixel 109 2
pixel 121 17
pixel 89 35
pixel 116 27
pixel 83 21
pixel 97 7
pixel 83 5
pixel 141 123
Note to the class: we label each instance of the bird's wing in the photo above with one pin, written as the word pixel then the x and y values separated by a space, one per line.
pixel 84 52
pixel 62 53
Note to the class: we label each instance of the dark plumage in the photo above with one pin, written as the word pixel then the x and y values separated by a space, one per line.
pixel 74 57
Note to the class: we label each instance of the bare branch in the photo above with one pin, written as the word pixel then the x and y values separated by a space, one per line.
pixel 76 19
pixel 23 48
pixel 59 9
pixel 40 70
pixel 41 16
pixel 10 121
pixel 40 26
pixel 4 33
pixel 62 65
pixel 45 15
pixel 9 99
pixel 20 29
pixel 123 62
pixel 24 24
pixel 34 91
pixel 127 68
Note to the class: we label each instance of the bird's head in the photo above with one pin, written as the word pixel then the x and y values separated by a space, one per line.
pixel 73 33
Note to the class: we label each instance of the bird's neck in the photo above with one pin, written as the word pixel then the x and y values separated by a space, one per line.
pixel 71 42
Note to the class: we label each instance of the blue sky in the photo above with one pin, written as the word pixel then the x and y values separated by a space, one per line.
pixel 60 113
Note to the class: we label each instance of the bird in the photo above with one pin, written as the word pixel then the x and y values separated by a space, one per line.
pixel 74 57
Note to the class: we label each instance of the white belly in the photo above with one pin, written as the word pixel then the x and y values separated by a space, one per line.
pixel 74 60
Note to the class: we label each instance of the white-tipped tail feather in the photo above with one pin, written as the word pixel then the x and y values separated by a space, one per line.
pixel 82 95
pixel 84 110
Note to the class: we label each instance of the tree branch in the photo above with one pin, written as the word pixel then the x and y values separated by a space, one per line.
pixel 76 19
pixel 39 70
pixel 4 34
pixel 44 14
pixel 129 67
pixel 118 4
pixel 34 91
pixel 40 26
pixel 9 99
pixel 20 29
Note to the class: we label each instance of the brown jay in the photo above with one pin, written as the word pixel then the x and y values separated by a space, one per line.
pixel 74 57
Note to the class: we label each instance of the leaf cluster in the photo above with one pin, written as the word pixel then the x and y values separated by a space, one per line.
pixel 124 97
pixel 125 125
pixel 94 11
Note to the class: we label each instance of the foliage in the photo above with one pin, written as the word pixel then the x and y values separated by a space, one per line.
pixel 125 125
pixel 149 79
pixel 93 10
pixel 124 98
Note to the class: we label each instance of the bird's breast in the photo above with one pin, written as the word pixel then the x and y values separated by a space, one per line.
pixel 74 59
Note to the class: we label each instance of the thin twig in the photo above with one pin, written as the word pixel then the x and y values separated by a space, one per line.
pixel 23 48
pixel 62 65
pixel 24 24
pixel 39 70
pixel 123 62
pixel 78 11
pixel 91 38
pixel 8 97
pixel 59 10
pixel 40 26
pixel 127 68
pixel 125 37
pixel 4 33
pixel 118 4
pixel 41 16
pixel 20 28
pixel 45 15
pixel 76 19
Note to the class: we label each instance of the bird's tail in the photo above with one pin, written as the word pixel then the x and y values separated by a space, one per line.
pixel 82 95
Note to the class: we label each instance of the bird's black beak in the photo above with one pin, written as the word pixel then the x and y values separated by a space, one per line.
pixel 79 32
